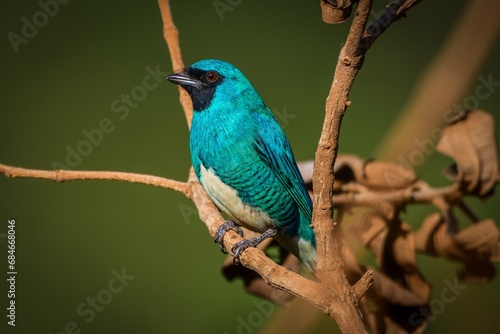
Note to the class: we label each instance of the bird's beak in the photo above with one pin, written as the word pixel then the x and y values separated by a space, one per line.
pixel 183 79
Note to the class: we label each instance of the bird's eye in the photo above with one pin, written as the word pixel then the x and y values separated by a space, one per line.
pixel 212 76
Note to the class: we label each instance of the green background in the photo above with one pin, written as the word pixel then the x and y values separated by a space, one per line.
pixel 71 236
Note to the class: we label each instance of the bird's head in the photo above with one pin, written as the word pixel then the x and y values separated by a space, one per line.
pixel 214 80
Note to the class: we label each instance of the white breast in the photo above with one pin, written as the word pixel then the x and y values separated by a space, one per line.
pixel 226 198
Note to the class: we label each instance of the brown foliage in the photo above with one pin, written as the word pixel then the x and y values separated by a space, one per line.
pixel 399 288
pixel 469 139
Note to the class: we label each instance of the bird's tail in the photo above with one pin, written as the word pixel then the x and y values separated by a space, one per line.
pixel 303 249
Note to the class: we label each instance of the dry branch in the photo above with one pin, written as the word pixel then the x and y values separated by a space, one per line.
pixel 331 292
pixel 171 36
pixel 393 12
pixel 67 175
pixel 349 63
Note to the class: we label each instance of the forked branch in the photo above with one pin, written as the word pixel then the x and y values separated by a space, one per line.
pixel 330 292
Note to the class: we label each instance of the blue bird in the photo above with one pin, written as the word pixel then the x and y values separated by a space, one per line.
pixel 244 162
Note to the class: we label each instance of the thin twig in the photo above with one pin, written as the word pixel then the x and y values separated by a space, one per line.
pixel 68 175
pixel 171 36
pixel 419 193
pixel 393 12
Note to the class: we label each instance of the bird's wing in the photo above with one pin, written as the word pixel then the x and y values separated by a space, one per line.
pixel 275 151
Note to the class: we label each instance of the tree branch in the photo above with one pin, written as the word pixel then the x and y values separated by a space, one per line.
pixel 171 36
pixel 67 175
pixel 393 12
pixel 330 269
pixel 349 63
pixel 332 293
pixel 418 193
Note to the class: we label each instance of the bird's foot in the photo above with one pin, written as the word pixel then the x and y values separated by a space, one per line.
pixel 219 235
pixel 239 247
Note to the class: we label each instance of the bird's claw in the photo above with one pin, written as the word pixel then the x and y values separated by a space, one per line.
pixel 239 247
pixel 222 230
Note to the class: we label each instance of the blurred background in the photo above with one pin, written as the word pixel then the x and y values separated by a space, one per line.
pixel 83 88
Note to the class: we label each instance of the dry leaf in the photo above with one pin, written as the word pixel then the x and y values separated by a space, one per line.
pixel 424 235
pixel 399 261
pixel 371 231
pixel 394 293
pixel 470 140
pixel 387 175
pixel 387 304
pixel 336 11
pixel 400 254
pixel 393 247
pixel 475 246
pixel 377 175
pixel 481 238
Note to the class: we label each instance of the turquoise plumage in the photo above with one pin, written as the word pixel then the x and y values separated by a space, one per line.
pixel 244 161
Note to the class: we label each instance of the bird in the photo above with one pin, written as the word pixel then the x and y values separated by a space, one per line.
pixel 244 161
